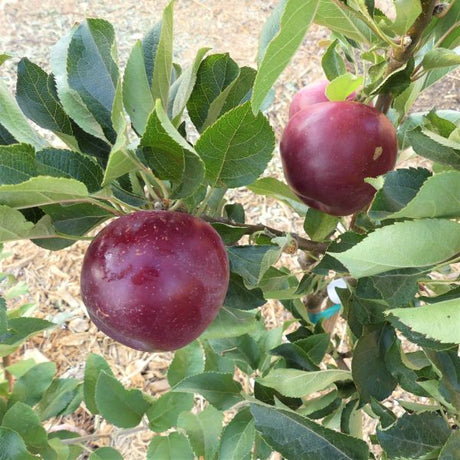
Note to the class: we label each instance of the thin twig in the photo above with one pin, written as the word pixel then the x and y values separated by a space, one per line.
pixel 303 243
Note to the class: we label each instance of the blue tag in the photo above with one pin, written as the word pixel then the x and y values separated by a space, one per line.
pixel 324 314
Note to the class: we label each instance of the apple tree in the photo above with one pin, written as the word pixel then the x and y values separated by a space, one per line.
pixel 156 149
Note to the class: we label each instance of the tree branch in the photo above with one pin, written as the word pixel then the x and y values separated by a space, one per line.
pixel 400 56
pixel 303 243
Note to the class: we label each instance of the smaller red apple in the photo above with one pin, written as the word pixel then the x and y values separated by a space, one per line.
pixel 311 94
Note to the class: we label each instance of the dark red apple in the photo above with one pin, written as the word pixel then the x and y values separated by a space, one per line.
pixel 329 148
pixel 154 280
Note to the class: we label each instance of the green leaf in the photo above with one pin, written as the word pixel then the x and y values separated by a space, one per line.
pixel 23 420
pixel 269 186
pixel 414 435
pixel 407 11
pixel 187 361
pixel 400 187
pixel 237 148
pixel 182 87
pixel 95 364
pixel 170 156
pixel 295 437
pixel 121 407
pixel 438 321
pixel 5 137
pixel 440 57
pixel 14 122
pixel 332 63
pixel 439 196
pixel 105 453
pixel 165 410
pixel 62 397
pixel 17 163
pixel 39 191
pixel 241 89
pixel 342 86
pixel 137 96
pixel 12 447
pixel 120 163
pixel 203 431
pixel 321 406
pixel 231 322
pixel 319 225
pixel 219 389
pixel 71 100
pixel 386 416
pixel 163 58
pixel 37 97
pixel 13 225
pixel 373 255
pixel 230 234
pixel 370 375
pixel 66 163
pixel 216 75
pixel 296 383
pixel 238 296
pixel 91 52
pixel 150 45
pixel 251 262
pixel 343 21
pixel 29 388
pixel 448 363
pixel 398 287
pixel 451 449
pixel 238 437
pixel 296 17
pixel 295 356
pixel 19 330
pixel 174 446
pixel 75 219
pixel 434 147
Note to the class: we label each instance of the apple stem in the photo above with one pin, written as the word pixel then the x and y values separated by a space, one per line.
pixel 303 243
pixel 408 46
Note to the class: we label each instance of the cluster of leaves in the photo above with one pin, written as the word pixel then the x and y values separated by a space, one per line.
pixel 159 135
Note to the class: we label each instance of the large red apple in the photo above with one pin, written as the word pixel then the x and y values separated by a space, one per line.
pixel 154 280
pixel 329 148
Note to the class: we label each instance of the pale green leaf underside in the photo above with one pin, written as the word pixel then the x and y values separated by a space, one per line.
pixel 296 383
pixel 296 18
pixel 407 244
pixel 14 120
pixel 439 196
pixel 42 190
pixel 439 321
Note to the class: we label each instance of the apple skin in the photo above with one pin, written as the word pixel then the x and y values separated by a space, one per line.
pixel 154 280
pixel 311 94
pixel 328 149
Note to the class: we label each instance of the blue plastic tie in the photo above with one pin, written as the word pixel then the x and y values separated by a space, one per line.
pixel 324 314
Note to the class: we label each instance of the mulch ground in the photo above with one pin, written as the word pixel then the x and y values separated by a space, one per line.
pixel 30 29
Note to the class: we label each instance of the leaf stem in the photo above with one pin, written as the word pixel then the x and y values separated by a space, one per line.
pixel 93 437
